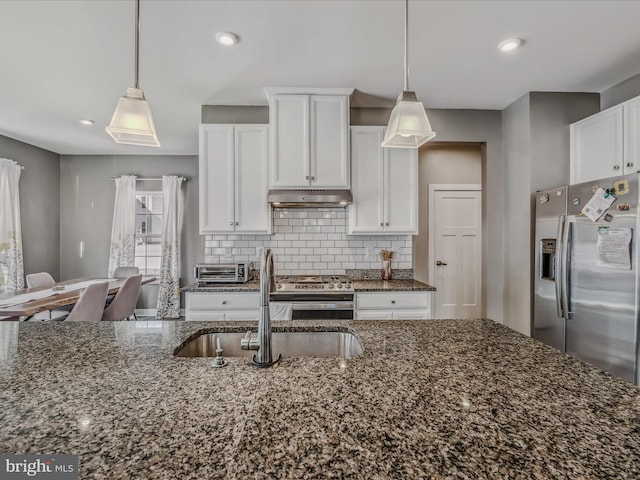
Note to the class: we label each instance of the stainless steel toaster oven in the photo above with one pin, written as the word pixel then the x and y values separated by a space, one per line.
pixel 223 272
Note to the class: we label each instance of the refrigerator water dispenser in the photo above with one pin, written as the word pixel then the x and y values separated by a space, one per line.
pixel 548 258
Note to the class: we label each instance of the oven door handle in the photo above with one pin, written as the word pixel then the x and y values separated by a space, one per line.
pixel 323 306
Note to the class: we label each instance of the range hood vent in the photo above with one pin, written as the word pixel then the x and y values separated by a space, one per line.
pixel 309 198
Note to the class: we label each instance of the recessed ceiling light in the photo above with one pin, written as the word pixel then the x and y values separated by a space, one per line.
pixel 226 38
pixel 510 44
pixel 87 122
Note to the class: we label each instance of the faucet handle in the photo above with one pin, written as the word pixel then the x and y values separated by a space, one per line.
pixel 248 343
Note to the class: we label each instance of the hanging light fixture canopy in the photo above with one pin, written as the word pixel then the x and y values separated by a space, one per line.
pixel 408 126
pixel 132 122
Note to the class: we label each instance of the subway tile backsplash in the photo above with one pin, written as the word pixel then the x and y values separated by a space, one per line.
pixel 310 240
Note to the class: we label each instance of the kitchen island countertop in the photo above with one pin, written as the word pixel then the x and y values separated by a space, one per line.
pixel 426 399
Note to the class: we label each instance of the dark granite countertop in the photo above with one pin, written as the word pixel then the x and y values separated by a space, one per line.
pixel 426 399
pixel 358 285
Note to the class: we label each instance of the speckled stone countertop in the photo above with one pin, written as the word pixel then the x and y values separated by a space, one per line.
pixel 391 286
pixel 426 399
pixel 358 285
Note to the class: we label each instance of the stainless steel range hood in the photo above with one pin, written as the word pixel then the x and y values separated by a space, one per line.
pixel 309 198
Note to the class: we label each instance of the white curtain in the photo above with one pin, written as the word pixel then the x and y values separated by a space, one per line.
pixel 123 228
pixel 169 291
pixel 10 228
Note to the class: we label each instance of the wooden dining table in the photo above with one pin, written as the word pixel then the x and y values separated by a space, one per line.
pixel 60 299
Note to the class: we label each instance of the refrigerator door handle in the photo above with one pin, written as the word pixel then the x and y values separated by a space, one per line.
pixel 565 253
pixel 559 265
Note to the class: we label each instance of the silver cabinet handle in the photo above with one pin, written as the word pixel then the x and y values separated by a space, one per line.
pixel 439 263
pixel 629 164
pixel 616 167
pixel 559 265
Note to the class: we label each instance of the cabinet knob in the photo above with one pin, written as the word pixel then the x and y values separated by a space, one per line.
pixel 224 302
pixel 306 177
pixel 231 223
pixel 381 224
pixel 237 223
pixel 387 224
pixel 393 302
pixel 313 178
pixel 629 164
pixel 616 167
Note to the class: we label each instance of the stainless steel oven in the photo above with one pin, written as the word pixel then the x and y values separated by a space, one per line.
pixel 316 297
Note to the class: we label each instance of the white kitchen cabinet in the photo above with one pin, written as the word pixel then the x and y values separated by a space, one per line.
pixel 632 136
pixel 393 305
pixel 606 144
pixel 209 306
pixel 384 185
pixel 309 140
pixel 233 179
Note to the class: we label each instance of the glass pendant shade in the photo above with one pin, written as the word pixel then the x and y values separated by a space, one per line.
pixel 408 126
pixel 132 122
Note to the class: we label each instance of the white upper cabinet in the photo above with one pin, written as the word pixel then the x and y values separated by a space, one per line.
pixel 632 135
pixel 233 179
pixel 384 185
pixel 309 140
pixel 606 144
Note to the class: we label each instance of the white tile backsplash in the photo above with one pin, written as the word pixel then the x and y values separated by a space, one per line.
pixel 311 240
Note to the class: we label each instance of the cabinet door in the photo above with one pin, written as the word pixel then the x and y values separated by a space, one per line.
pixel 216 161
pixel 252 212
pixel 632 136
pixel 242 315
pixel 401 190
pixel 365 213
pixel 411 315
pixel 289 159
pixel 597 146
pixel 329 147
pixel 374 315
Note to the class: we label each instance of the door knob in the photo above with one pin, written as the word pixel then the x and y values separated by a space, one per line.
pixel 440 263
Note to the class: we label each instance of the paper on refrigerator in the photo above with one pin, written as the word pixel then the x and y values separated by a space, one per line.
pixel 614 248
pixel 598 204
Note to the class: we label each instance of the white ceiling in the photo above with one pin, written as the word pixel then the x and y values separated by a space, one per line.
pixel 64 60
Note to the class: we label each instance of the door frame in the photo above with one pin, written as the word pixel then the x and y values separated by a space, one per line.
pixel 440 187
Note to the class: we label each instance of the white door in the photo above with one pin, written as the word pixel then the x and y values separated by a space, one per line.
pixel 455 262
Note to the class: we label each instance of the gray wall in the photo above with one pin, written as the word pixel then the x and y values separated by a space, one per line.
pixel 621 92
pixel 87 197
pixel 440 164
pixel 535 131
pixel 39 204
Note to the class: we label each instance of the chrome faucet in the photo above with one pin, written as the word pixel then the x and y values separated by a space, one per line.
pixel 263 358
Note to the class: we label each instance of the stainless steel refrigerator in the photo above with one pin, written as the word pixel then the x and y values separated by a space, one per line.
pixel 586 273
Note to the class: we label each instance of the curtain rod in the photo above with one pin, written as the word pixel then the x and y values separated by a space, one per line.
pixel 154 179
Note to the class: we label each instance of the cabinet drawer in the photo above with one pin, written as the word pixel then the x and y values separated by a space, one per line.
pixel 222 301
pixel 392 300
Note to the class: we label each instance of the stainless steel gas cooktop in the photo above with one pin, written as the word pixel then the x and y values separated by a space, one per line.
pixel 314 283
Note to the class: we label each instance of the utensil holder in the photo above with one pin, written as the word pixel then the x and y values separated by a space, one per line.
pixel 386 270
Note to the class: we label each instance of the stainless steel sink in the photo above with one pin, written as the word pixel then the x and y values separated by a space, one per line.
pixel 343 343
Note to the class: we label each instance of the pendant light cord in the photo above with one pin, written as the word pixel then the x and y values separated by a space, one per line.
pixel 406 45
pixel 137 39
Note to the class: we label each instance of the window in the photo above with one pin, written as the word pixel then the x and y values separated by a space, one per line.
pixel 148 232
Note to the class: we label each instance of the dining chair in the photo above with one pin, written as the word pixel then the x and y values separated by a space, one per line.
pixel 41 279
pixel 124 302
pixel 126 271
pixel 90 305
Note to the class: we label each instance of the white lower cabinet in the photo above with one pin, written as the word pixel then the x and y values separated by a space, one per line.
pixel 394 306
pixel 208 306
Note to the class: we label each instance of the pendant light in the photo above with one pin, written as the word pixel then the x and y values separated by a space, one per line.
pixel 132 122
pixel 408 126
